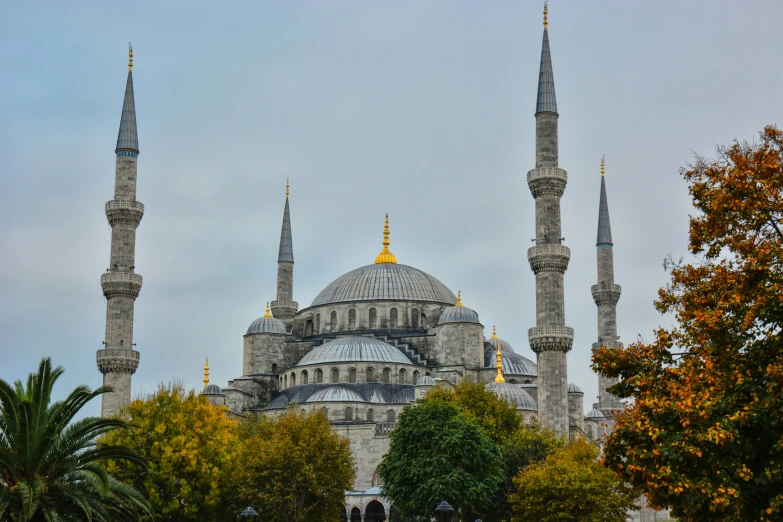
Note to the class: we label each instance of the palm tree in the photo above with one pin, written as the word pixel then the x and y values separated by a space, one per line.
pixel 51 467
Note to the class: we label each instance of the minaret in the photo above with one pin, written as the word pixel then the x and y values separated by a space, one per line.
pixel 117 361
pixel 284 307
pixel 606 294
pixel 550 339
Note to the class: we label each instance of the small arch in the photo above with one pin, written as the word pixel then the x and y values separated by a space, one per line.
pixel 348 413
pixel 319 376
pixel 423 321
pixel 590 431
pixel 391 416
pixel 415 376
pixel 370 415
pixel 512 381
pixel 308 328
pixel 356 515
pixel 274 367
pixel 528 381
pixel 373 318
pixel 376 479
pixel 386 378
pixel 393 318
pixel 415 318
pixel 351 319
pixel 375 512
pixel 293 379
pixel 317 323
pixel 333 321
pixel 352 375
pixel 285 382
pixel 369 375
pixel 403 375
pixel 304 376
pixel 335 375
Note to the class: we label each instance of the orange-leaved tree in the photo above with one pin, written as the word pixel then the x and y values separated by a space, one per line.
pixel 703 434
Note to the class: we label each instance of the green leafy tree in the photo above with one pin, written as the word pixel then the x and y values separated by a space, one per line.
pixel 704 432
pixel 436 453
pixel 292 468
pixel 188 443
pixel 570 486
pixel 50 465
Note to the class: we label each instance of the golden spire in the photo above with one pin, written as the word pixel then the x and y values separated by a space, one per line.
pixel 206 373
pixel 494 332
pixel 267 314
pixel 286 188
pixel 385 256
pixel 499 377
pixel 130 57
pixel 546 11
pixel 459 298
pixel 602 165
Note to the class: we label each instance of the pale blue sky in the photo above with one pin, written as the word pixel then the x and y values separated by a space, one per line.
pixel 423 109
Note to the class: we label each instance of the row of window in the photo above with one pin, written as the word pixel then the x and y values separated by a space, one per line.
pixel 348 414
pixel 394 322
pixel 369 376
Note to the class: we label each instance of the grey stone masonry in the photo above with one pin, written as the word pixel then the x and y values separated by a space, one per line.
pixel 550 339
pixel 117 361
pixel 284 307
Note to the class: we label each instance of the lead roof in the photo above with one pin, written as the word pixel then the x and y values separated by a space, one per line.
pixel 545 102
pixel 354 349
pixel 286 252
pixel 128 138
pixel 604 228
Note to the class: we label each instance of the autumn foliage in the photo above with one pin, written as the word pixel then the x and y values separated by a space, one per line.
pixel 704 432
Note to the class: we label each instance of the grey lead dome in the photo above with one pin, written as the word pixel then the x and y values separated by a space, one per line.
pixel 385 281
pixel 458 314
pixel 267 325
pixel 354 349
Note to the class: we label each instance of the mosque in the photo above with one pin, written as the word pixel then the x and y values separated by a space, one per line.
pixel 382 335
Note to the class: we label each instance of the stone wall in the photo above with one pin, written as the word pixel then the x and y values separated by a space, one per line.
pixel 460 344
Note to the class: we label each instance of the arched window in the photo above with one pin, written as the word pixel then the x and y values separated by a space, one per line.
pixel 351 319
pixel 373 318
pixel 352 375
pixel 370 375
pixel 293 378
pixel 285 382
pixel 512 381
pixel 325 411
pixel 528 381
pixel 308 328
pixel 335 375
pixel 281 384
pixel 403 376
pixel 393 318
pixel 386 375
pixel 348 413
pixel 318 323
pixel 376 479
pixel 370 415
pixel 590 431
pixel 274 367
pixel 305 377
pixel 333 321
pixel 319 376
pixel 415 318
pixel 415 376
pixel 423 321
pixel 390 416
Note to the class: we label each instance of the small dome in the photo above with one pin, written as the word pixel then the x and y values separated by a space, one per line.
pixel 267 325
pixel 425 380
pixel 515 395
pixel 573 388
pixel 595 413
pixel 504 346
pixel 212 389
pixel 458 314
pixel 354 349
pixel 335 394
pixel 513 363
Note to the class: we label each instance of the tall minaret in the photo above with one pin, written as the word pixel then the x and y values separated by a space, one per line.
pixel 117 361
pixel 550 339
pixel 606 294
pixel 284 307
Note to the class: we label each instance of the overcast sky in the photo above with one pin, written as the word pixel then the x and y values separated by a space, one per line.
pixel 422 109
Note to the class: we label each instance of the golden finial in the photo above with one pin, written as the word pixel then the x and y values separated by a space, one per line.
pixel 385 256
pixel 130 57
pixel 494 332
pixel 546 11
pixel 459 298
pixel 267 314
pixel 286 188
pixel 602 165
pixel 499 377
pixel 206 373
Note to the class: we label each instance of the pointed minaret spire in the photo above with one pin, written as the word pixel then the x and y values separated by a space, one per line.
pixel 128 139
pixel 604 228
pixel 284 307
pixel 545 102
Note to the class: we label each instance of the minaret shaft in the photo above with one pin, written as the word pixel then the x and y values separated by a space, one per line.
pixel 284 307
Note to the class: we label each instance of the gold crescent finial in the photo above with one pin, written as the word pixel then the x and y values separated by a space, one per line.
pixel 459 298
pixel 287 187
pixel 385 256
pixel 499 366
pixel 206 373
pixel 130 57
pixel 494 332
pixel 602 165
pixel 546 11
pixel 267 314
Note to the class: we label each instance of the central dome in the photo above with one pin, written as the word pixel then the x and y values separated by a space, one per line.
pixel 385 281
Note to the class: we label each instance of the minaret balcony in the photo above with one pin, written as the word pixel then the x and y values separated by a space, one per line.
pixel 550 338
pixel 608 344
pixel 547 181
pixel 121 284
pixel 125 212
pixel 606 293
pixel 120 361
pixel 284 309
pixel 548 258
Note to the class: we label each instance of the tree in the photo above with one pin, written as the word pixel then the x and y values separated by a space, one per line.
pixel 188 443
pixel 293 468
pixel 436 453
pixel 50 465
pixel 571 486
pixel 704 433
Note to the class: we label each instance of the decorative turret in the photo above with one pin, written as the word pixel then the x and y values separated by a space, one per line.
pixel 386 256
pixel 606 294
pixel 117 361
pixel 284 307
pixel 550 339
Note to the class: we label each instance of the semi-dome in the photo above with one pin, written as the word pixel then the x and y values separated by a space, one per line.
pixel 267 324
pixel 573 388
pixel 385 281
pixel 458 314
pixel 335 394
pixel 425 380
pixel 513 363
pixel 514 395
pixel 211 389
pixel 354 349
